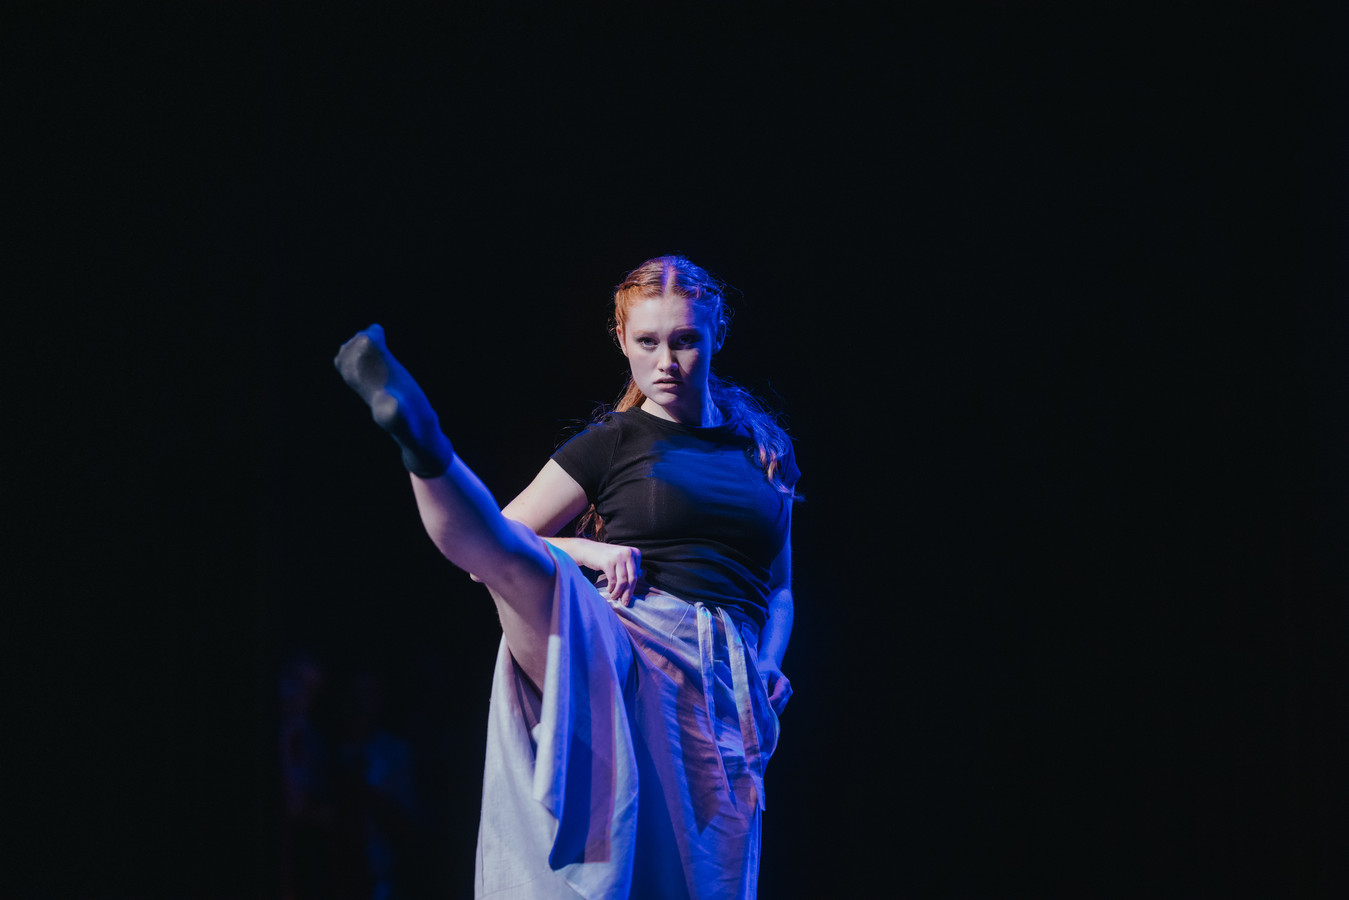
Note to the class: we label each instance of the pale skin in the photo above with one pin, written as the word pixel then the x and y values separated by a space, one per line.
pixel 669 349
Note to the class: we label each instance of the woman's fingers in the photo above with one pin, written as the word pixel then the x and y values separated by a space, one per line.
pixel 611 578
pixel 635 560
pixel 782 692
pixel 620 587
pixel 622 574
pixel 623 586
pixel 631 559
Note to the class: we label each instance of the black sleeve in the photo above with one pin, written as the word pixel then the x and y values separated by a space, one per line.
pixel 588 457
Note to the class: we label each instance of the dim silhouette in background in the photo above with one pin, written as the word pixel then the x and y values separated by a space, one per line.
pixel 308 812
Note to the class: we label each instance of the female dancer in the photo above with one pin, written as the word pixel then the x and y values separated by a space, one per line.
pixel 631 718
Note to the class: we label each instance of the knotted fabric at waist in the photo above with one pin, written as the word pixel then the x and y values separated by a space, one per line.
pixel 695 639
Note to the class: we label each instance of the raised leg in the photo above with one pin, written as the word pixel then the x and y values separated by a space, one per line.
pixel 459 513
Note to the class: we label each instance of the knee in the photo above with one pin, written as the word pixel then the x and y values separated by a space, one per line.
pixel 522 564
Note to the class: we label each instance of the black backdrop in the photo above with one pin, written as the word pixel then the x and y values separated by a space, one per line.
pixel 1052 304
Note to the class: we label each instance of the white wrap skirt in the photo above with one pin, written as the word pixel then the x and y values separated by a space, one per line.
pixel 639 772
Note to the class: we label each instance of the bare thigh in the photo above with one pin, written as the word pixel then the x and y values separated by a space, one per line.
pixel 516 564
pixel 526 624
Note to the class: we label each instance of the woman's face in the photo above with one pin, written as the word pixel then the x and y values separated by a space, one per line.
pixel 669 347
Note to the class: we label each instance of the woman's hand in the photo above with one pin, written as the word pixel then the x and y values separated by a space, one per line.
pixel 552 500
pixel 621 567
pixel 779 688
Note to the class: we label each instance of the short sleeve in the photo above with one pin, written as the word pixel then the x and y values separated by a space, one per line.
pixel 588 456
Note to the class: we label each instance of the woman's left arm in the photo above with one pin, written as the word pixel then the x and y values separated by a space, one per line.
pixel 777 631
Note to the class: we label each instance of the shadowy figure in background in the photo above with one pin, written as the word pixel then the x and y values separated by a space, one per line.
pixel 306 838
pixel 444 838
pixel 375 798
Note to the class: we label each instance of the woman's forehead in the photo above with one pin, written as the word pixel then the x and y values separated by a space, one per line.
pixel 667 311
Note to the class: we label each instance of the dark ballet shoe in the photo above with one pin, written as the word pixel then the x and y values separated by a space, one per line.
pixel 396 401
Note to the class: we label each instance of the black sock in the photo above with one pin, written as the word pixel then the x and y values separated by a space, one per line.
pixel 396 402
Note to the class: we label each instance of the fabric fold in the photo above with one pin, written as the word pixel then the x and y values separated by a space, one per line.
pixel 638 772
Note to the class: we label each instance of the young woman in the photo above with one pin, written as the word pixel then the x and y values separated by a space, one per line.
pixel 631 718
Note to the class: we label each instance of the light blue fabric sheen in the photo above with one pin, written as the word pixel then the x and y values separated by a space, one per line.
pixel 639 772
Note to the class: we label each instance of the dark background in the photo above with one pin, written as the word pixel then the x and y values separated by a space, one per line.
pixel 1052 303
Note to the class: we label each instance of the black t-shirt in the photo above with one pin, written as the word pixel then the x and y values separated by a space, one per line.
pixel 706 519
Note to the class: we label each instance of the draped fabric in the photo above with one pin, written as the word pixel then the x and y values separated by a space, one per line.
pixel 639 771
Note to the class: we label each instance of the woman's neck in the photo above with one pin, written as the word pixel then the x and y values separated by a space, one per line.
pixel 706 416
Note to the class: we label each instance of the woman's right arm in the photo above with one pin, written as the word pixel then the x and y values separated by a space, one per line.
pixel 552 500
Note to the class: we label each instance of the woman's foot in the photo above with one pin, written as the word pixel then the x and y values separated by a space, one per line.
pixel 396 402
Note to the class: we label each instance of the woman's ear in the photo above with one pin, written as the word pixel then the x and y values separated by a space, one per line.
pixel 719 339
pixel 618 339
